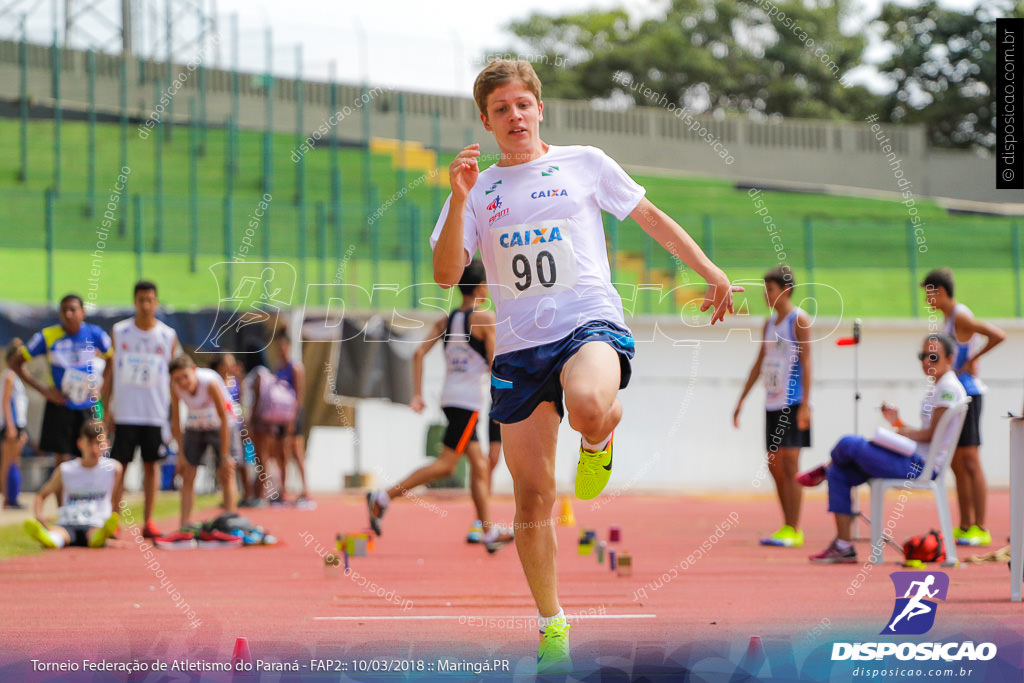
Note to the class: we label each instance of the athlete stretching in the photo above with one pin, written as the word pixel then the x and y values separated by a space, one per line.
pixel 535 217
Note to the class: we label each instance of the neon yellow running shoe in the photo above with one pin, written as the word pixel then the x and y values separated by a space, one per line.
pixel 108 529
pixel 978 536
pixel 593 471
pixel 35 529
pixel 786 536
pixel 553 654
pixel 959 535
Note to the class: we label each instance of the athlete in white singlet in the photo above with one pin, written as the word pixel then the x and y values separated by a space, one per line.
pixel 137 392
pixel 783 363
pixel 86 515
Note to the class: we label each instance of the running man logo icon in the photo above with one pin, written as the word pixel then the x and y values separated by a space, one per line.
pixel 914 612
pixel 262 290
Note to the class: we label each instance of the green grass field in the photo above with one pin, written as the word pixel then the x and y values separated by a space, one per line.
pixel 858 246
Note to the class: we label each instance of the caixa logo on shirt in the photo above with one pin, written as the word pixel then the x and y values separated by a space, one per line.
pixel 521 238
pixel 541 194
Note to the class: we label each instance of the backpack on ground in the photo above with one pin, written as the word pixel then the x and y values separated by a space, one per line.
pixel 925 547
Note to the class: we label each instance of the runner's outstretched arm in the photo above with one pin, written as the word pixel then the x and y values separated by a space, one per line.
pixel 677 242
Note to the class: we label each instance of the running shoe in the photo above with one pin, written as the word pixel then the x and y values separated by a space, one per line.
pixel 974 536
pixel 182 539
pixel 105 532
pixel 593 471
pixel 149 530
pixel 305 503
pixel 787 537
pixel 13 506
pixel 500 540
pixel 960 533
pixel 35 529
pixel 833 555
pixel 218 539
pixel 376 511
pixel 813 477
pixel 476 532
pixel 553 654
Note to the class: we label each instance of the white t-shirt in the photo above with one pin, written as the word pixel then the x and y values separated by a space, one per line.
pixel 142 383
pixel 946 392
pixel 202 413
pixel 541 238
pixel 86 492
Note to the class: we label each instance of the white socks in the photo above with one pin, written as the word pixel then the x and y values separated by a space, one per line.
pixel 57 538
pixel 383 498
pixel 843 545
pixel 542 622
pixel 594 447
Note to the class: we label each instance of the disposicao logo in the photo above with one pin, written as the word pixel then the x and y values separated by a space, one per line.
pixel 914 614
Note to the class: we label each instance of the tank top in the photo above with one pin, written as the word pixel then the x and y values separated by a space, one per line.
pixel 87 491
pixel 142 393
pixel 19 401
pixel 202 413
pixel 781 369
pixel 972 385
pixel 466 365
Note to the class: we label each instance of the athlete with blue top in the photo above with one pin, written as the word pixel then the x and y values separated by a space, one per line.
pixel 974 339
pixel 71 349
pixel 535 217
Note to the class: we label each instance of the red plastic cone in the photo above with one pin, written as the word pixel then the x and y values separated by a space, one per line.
pixel 754 660
pixel 240 653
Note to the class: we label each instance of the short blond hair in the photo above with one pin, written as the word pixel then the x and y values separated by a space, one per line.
pixel 499 72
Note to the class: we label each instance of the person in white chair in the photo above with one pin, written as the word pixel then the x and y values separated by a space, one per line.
pixel 855 459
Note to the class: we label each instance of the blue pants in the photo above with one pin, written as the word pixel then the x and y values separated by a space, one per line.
pixel 855 460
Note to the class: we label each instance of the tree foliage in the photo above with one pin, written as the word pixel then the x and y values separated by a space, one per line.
pixel 787 58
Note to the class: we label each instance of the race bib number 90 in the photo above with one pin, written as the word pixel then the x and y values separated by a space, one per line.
pixel 534 259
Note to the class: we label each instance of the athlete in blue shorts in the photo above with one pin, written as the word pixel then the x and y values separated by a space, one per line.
pixel 535 217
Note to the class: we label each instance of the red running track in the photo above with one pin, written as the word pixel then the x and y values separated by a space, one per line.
pixel 459 600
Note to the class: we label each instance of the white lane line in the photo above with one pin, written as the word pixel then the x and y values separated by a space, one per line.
pixel 443 617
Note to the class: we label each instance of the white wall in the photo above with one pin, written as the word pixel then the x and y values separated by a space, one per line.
pixel 677 434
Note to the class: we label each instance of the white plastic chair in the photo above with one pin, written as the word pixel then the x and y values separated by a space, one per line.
pixel 940 454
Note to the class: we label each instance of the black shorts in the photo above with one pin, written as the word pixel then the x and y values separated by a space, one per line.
pixel 79 534
pixel 197 441
pixel 461 428
pixel 21 432
pixel 493 431
pixel 126 437
pixel 61 428
pixel 970 435
pixel 780 430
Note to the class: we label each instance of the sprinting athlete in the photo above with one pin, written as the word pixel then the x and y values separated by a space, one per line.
pixel 468 337
pixel 535 217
